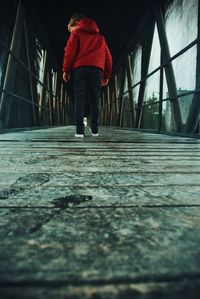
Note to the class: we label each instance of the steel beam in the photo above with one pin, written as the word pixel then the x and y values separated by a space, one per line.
pixel 57 104
pixel 111 92
pixel 160 97
pixel 122 77
pixel 169 72
pixel 146 53
pixel 43 89
pixel 33 87
pixel 50 102
pixel 9 80
pixel 116 100
pixel 130 91
pixel 107 105
pixel 193 116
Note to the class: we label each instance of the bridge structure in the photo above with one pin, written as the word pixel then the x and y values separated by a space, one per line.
pixel 113 216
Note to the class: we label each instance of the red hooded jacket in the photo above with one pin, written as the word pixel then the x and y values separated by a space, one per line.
pixel 86 47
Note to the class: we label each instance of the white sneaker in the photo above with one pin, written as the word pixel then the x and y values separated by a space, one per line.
pixel 94 134
pixel 79 135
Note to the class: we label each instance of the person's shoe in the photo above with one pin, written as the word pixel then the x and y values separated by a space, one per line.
pixel 94 132
pixel 79 135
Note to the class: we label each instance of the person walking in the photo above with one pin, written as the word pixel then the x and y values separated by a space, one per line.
pixel 88 60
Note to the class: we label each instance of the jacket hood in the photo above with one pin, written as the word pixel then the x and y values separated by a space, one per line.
pixel 87 25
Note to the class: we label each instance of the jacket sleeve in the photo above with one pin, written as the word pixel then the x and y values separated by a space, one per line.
pixel 70 53
pixel 108 63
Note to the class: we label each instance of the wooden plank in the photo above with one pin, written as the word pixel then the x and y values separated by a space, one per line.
pixel 114 215
pixel 84 244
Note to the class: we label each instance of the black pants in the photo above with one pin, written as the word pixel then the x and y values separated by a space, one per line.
pixel 87 84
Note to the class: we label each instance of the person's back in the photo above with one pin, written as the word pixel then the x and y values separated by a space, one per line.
pixel 88 58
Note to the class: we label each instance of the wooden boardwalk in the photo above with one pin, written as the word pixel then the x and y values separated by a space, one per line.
pixel 115 216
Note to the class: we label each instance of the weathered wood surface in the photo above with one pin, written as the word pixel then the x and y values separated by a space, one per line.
pixel 117 216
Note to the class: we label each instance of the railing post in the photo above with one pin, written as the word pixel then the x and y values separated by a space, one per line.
pixel 116 100
pixel 121 91
pixel 131 100
pixel 43 89
pixel 57 106
pixel 50 103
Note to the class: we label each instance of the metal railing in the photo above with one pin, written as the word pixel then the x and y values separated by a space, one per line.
pixel 15 58
pixel 189 46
